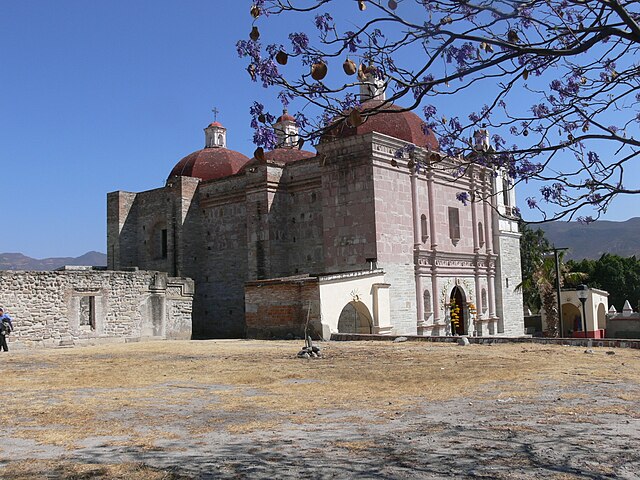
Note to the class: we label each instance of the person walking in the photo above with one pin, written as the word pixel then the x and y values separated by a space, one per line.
pixel 6 326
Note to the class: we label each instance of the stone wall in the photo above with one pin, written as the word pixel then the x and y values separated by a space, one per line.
pixel 84 306
pixel 278 308
pixel 623 326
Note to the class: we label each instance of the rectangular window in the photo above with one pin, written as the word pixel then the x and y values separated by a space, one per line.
pixel 88 312
pixel 454 224
pixel 164 243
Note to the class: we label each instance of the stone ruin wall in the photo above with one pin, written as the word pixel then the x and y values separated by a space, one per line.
pixel 85 306
pixel 278 308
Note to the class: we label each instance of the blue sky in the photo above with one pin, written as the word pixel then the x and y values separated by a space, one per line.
pixel 104 96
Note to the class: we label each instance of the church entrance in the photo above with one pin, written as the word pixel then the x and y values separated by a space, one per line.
pixel 355 318
pixel 457 311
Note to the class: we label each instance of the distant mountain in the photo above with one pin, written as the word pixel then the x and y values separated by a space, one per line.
pixel 18 261
pixel 595 239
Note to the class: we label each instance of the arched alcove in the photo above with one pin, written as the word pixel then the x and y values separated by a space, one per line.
pixel 458 298
pixel 428 308
pixel 571 319
pixel 355 318
pixel 602 316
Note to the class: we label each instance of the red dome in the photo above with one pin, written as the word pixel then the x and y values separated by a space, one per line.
pixel 281 156
pixel 403 125
pixel 210 164
pixel 285 117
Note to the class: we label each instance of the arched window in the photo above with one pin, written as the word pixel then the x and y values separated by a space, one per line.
pixel 424 228
pixel 480 234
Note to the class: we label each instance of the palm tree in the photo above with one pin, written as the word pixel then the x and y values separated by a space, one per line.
pixel 539 276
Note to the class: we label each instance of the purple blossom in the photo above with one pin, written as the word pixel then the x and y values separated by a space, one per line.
pixel 301 120
pixel 540 110
pixel 532 202
pixel 592 158
pixel 265 137
pixel 409 148
pixel 423 87
pixel 248 48
pixel 299 42
pixel 349 102
pixel 324 22
pixel 351 41
pixel 463 197
pixel 553 192
pixel 429 111
pixel 595 198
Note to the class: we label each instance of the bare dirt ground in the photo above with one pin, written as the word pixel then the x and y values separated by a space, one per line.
pixel 248 409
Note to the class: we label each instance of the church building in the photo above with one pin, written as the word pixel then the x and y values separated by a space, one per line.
pixel 348 239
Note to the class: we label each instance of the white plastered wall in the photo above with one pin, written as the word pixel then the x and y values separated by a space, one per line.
pixel 367 288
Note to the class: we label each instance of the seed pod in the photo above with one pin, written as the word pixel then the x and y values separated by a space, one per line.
pixel 262 118
pixel 319 70
pixel 392 4
pixel 355 119
pixel 282 58
pixel 362 76
pixel 525 74
pixel 255 33
pixel 446 21
pixel 525 132
pixel 361 5
pixel 488 48
pixel 349 67
pixel 258 154
pixel 512 36
pixel 255 11
pixel 252 71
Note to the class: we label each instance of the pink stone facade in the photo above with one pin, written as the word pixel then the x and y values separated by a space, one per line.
pixel 351 208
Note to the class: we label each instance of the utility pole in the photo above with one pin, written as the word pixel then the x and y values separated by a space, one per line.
pixel 557 259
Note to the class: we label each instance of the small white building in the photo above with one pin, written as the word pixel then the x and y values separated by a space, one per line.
pixel 596 307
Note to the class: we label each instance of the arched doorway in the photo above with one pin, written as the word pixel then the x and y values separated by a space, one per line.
pixel 602 317
pixel 355 318
pixel 458 311
pixel 571 319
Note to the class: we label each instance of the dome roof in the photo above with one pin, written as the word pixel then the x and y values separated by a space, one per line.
pixel 285 117
pixel 281 156
pixel 210 164
pixel 398 124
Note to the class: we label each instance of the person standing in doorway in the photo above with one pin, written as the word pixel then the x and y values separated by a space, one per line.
pixel 6 326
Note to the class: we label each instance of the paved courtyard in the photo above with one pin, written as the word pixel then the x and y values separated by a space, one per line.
pixel 249 409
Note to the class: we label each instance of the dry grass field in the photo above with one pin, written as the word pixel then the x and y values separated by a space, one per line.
pixel 249 409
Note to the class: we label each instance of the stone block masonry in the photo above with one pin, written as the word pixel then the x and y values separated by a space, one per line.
pixel 81 305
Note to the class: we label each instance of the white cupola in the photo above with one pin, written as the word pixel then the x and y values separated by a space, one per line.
pixel 286 130
pixel 215 136
pixel 372 88
pixel 481 141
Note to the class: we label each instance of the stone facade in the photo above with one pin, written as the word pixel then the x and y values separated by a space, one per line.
pixel 80 305
pixel 353 207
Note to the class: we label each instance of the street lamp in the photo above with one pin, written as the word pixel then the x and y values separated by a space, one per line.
pixel 583 293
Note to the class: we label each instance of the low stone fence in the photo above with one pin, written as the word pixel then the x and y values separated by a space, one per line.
pixel 574 342
pixel 84 305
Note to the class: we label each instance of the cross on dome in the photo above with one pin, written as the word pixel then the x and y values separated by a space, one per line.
pixel 215 135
